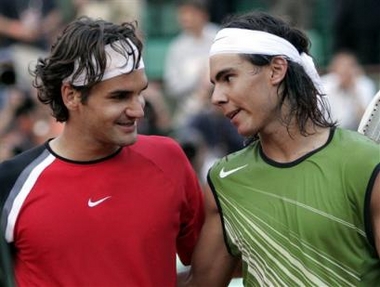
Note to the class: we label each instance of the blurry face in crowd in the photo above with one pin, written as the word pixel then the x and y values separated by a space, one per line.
pixel 191 19
pixel 346 67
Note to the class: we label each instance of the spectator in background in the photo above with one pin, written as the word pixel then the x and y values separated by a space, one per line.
pixel 31 22
pixel 27 28
pixel 187 56
pixel 157 119
pixel 300 13
pixel 219 9
pixel 111 10
pixel 24 122
pixel 196 149
pixel 15 123
pixel 348 88
pixel 209 128
pixel 356 26
pixel 21 128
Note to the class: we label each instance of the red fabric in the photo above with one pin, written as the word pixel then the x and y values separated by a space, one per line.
pixel 153 205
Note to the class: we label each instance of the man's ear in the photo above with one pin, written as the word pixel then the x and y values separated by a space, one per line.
pixel 70 96
pixel 279 66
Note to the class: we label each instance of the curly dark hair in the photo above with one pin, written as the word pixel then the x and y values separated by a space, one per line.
pixel 81 42
pixel 306 102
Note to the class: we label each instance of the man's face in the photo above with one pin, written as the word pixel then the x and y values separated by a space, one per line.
pixel 109 116
pixel 244 93
pixel 191 19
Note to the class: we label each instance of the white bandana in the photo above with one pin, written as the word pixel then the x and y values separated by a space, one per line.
pixel 244 41
pixel 117 63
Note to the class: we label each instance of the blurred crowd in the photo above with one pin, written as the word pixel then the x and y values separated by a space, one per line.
pixel 177 104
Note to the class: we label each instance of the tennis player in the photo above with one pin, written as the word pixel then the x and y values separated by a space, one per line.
pixel 98 205
pixel 300 205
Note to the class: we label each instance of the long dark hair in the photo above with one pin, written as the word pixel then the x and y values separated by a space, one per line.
pixel 81 42
pixel 306 102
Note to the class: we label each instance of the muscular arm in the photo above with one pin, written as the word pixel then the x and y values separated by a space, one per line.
pixel 375 211
pixel 211 265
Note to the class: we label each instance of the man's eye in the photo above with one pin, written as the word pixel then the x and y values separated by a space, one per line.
pixel 119 96
pixel 227 78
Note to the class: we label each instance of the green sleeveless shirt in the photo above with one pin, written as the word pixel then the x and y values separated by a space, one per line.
pixel 304 223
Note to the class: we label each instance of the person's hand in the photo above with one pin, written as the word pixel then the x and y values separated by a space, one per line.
pixel 19 31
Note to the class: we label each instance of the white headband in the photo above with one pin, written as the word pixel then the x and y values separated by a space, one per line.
pixel 244 41
pixel 118 63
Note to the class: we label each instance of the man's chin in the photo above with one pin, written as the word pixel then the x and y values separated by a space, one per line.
pixel 130 141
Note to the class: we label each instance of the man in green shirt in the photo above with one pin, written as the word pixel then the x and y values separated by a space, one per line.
pixel 300 204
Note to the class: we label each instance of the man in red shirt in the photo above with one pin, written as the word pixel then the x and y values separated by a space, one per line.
pixel 99 205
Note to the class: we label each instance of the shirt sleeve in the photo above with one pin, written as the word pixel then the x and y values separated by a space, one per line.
pixel 192 213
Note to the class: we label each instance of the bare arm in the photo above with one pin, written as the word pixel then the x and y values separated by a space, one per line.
pixel 15 29
pixel 211 265
pixel 375 211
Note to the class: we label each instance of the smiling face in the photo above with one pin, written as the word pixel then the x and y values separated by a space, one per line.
pixel 245 93
pixel 108 119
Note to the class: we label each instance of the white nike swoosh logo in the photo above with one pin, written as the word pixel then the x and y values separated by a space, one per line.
pixel 95 203
pixel 224 173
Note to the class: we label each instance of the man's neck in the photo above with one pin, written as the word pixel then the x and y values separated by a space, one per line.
pixel 80 150
pixel 284 147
